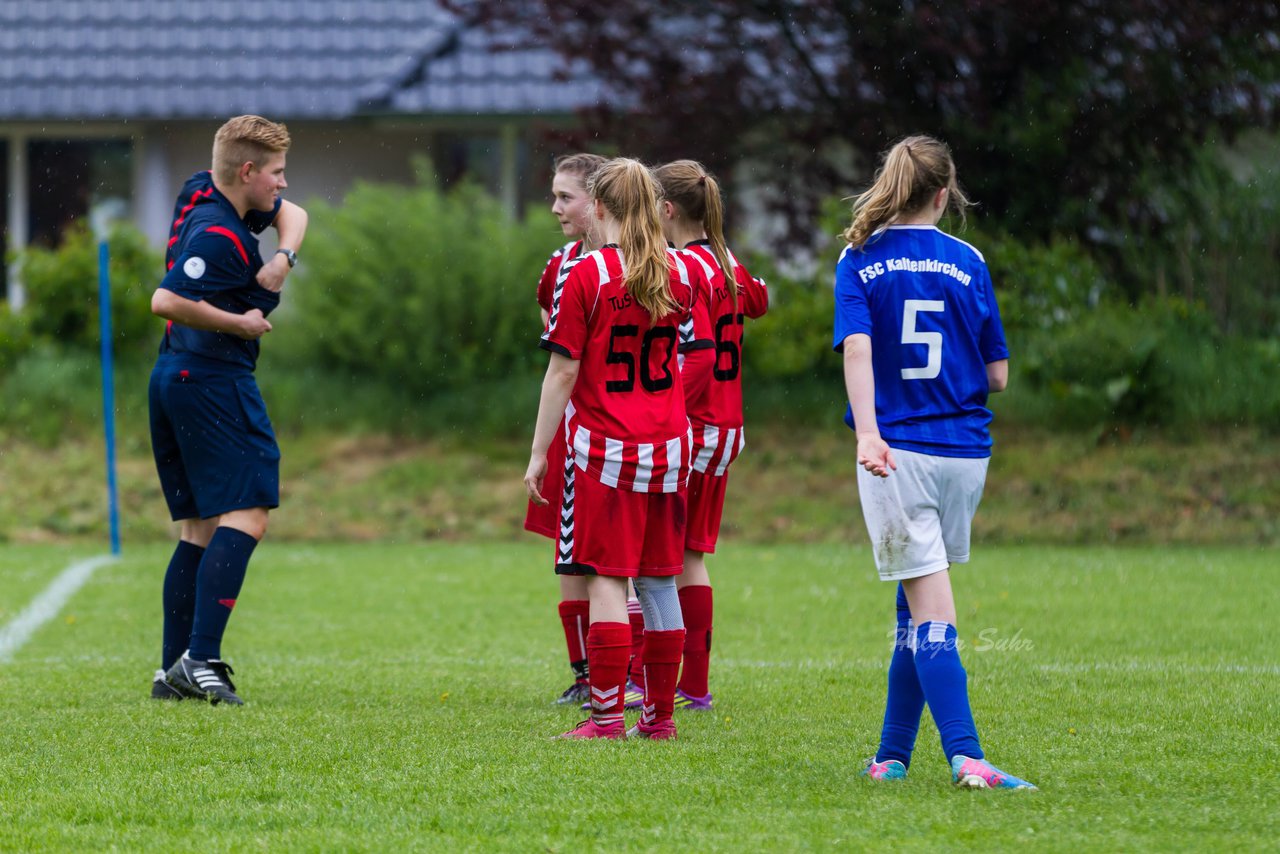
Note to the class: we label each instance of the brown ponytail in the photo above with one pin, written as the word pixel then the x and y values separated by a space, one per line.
pixel 695 192
pixel 630 194
pixel 912 171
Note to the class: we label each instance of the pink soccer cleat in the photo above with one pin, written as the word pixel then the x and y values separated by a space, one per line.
pixel 590 729
pixel 660 730
pixel 890 769
pixel 981 774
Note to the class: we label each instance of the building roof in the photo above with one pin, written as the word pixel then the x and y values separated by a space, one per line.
pixel 86 60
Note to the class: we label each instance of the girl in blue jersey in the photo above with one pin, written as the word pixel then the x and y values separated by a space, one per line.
pixel 917 322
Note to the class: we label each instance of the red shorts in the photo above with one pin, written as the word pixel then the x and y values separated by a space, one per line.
pixel 618 532
pixel 545 519
pixel 706 503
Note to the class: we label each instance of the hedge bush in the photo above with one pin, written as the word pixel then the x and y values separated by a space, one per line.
pixel 1159 363
pixel 1041 286
pixel 15 338
pixel 793 340
pixel 62 291
pixel 1213 240
pixel 419 289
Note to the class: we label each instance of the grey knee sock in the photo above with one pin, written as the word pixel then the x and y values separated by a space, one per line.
pixel 660 603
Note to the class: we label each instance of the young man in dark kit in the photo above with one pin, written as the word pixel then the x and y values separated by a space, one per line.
pixel 214 446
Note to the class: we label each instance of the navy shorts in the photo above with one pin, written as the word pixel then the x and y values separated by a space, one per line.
pixel 213 443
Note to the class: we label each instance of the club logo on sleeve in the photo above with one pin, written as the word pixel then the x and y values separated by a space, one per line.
pixel 194 268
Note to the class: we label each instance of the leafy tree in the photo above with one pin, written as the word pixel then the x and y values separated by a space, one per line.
pixel 1054 110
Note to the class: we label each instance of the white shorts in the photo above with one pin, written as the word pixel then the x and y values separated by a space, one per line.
pixel 919 517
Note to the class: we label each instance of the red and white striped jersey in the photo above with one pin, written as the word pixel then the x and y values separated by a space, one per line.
pixel 715 447
pixel 633 466
pixel 695 332
pixel 547 284
pixel 626 423
pixel 719 402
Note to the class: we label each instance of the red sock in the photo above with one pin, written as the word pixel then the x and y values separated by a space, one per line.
pixel 608 648
pixel 636 616
pixel 695 604
pixel 661 664
pixel 573 616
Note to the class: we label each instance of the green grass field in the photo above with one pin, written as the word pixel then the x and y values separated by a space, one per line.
pixel 398 697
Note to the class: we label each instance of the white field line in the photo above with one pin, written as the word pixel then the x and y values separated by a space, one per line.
pixel 47 605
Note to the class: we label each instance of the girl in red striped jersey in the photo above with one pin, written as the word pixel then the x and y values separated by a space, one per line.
pixel 613 334
pixel 693 218
pixel 570 204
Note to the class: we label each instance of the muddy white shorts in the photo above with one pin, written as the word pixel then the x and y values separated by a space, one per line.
pixel 919 517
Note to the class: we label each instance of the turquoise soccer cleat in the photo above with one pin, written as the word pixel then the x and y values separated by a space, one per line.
pixel 890 769
pixel 981 774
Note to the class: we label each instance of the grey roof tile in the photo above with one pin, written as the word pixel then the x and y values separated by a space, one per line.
pixel 84 59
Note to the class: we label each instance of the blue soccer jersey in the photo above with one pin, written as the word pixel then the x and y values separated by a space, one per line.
pixel 213 256
pixel 926 300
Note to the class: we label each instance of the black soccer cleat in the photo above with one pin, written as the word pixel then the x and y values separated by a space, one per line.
pixel 575 694
pixel 162 690
pixel 205 680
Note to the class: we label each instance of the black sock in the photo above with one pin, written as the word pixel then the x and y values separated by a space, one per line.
pixel 221 574
pixel 179 601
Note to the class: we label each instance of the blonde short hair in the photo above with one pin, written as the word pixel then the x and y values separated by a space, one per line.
pixel 246 139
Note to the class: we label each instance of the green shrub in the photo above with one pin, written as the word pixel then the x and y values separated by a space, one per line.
pixel 1040 286
pixel 790 346
pixel 302 400
pixel 421 290
pixel 1223 380
pixel 62 290
pixel 1161 362
pixel 51 393
pixel 15 338
pixel 1213 239
pixel 793 340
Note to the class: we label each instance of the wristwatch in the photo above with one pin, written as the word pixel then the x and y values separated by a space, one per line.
pixel 290 256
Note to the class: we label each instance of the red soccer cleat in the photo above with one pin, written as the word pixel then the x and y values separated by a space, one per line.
pixel 660 730
pixel 590 729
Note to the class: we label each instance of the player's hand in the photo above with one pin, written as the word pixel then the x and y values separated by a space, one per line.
pixel 273 273
pixel 534 476
pixel 875 455
pixel 253 325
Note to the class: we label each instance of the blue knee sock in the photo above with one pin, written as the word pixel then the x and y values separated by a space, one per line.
pixel 221 574
pixel 905 700
pixel 179 599
pixel 942 678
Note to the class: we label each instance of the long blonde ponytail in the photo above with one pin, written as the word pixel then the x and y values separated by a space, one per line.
pixel 630 194
pixel 912 171
pixel 694 191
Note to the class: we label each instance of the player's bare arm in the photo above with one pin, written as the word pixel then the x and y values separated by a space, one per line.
pixel 874 454
pixel 998 375
pixel 557 386
pixel 291 228
pixel 201 315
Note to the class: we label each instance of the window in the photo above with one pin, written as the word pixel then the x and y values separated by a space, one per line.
pixel 73 182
